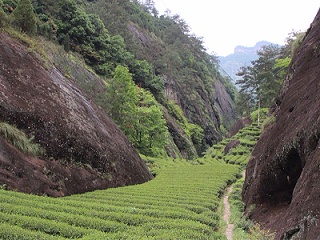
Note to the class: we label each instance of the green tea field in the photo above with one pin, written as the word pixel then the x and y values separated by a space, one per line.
pixel 180 203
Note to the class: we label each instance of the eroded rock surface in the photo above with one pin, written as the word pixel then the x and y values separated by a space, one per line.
pixel 85 150
pixel 282 186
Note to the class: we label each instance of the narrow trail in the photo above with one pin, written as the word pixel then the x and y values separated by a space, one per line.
pixel 227 213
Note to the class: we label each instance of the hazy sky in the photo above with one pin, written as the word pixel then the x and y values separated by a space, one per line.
pixel 225 24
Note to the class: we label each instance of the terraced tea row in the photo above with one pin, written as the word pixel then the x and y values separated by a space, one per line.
pixel 180 202
pixel 238 148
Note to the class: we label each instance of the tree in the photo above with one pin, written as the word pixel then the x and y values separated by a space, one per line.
pixel 293 40
pixel 24 17
pixel 74 22
pixel 266 75
pixel 150 5
pixel 150 128
pixel 2 15
pixel 244 104
pixel 122 99
pixel 281 67
pixel 136 112
pixel 260 81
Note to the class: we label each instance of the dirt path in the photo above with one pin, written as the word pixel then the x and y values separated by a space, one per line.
pixel 227 213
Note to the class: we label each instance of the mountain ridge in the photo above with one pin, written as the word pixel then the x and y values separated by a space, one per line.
pixel 242 56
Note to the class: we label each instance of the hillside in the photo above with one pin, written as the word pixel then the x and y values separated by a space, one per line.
pixel 63 79
pixel 189 74
pixel 182 202
pixel 281 189
pixel 83 149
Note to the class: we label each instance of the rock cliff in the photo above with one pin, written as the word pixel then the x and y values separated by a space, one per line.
pixel 281 189
pixel 84 149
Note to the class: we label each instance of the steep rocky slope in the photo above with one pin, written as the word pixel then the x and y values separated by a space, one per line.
pixel 84 149
pixel 205 102
pixel 180 61
pixel 281 189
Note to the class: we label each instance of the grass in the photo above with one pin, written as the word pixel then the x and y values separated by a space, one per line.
pixel 37 46
pixel 244 228
pixel 20 140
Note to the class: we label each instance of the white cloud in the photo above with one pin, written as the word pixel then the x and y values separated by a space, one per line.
pixel 228 23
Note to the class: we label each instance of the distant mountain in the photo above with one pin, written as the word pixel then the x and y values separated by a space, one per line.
pixel 242 56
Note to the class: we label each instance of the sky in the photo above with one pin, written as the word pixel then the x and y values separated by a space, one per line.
pixel 225 24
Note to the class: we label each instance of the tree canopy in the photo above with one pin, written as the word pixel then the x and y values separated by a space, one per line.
pixel 24 17
pixel 159 52
pixel 137 113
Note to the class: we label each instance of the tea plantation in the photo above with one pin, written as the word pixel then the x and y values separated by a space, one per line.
pixel 180 203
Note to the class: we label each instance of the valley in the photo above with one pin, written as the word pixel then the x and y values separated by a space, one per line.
pixel 116 123
pixel 184 200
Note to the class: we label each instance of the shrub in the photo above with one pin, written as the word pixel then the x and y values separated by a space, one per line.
pixel 263 114
pixel 24 17
pixel 4 19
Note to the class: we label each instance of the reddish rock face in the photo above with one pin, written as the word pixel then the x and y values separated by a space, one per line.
pixel 238 125
pixel 282 186
pixel 70 128
pixel 230 145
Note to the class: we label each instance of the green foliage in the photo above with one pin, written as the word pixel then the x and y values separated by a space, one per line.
pixel 244 228
pixel 259 81
pixel 9 231
pixel 185 209
pixel 263 112
pixel 281 67
pixel 151 132
pixel 8 5
pixel 48 29
pixel 137 113
pixel 24 17
pixel 3 19
pixel 244 104
pixel 230 87
pixel 176 57
pixel 248 136
pixel 143 76
pixel 122 99
pixel 293 41
pixel 157 50
pixel 87 35
pixel 177 113
pixel 195 132
pixel 19 139
pixel 268 121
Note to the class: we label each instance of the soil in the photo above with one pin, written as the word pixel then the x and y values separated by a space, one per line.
pixel 227 214
pixel 85 150
pixel 281 190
